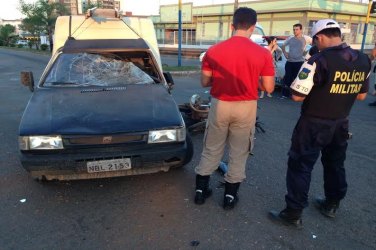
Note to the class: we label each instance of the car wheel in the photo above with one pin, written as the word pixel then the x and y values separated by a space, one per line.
pixel 189 155
pixel 198 127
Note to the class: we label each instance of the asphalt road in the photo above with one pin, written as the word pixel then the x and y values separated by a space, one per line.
pixel 156 211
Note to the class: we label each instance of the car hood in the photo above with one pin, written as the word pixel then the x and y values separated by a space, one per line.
pixel 99 110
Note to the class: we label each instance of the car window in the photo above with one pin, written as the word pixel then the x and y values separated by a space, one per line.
pixel 258 31
pixel 85 69
pixel 258 36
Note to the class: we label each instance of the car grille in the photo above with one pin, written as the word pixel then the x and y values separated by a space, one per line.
pixel 103 139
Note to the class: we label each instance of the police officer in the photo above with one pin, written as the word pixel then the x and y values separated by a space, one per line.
pixel 373 54
pixel 328 84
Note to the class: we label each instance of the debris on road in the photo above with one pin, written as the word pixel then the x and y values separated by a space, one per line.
pixel 195 243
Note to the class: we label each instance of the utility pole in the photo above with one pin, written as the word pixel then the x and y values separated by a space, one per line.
pixel 77 12
pixel 179 36
pixel 370 4
pixel 236 5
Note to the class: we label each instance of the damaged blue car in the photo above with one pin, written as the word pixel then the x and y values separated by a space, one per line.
pixel 102 108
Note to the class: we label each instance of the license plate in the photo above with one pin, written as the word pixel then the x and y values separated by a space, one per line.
pixel 109 165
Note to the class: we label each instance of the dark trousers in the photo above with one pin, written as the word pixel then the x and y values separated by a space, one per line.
pixel 291 71
pixel 310 136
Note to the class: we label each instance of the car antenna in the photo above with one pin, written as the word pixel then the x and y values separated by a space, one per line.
pixel 89 13
pixel 70 29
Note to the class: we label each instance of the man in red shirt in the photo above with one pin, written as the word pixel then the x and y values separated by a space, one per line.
pixel 234 69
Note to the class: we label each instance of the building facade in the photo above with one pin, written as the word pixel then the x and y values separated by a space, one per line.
pixel 206 25
pixel 73 6
pixel 105 4
pixel 78 7
pixel 15 23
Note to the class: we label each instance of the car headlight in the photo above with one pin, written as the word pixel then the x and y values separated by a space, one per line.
pixel 40 142
pixel 168 135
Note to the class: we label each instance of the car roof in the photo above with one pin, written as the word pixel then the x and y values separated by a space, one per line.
pixel 74 46
pixel 96 26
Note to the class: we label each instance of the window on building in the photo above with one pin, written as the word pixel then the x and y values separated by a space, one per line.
pixel 354 31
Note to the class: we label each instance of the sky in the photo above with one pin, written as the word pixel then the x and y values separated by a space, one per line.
pixel 9 8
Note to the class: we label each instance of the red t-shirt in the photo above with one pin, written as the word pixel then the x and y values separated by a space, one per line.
pixel 236 65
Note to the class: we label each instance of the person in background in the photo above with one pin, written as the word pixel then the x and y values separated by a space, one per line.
pixel 295 57
pixel 232 69
pixel 276 52
pixel 373 56
pixel 328 84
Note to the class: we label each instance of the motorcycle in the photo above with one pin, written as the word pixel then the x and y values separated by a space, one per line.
pixel 196 111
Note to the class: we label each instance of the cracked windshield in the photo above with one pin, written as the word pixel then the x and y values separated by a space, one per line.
pixel 84 69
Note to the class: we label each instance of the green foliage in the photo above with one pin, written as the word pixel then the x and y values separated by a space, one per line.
pixel 44 47
pixel 41 17
pixel 19 46
pixel 6 33
pixel 33 25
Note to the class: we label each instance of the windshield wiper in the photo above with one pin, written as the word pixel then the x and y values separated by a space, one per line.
pixel 61 83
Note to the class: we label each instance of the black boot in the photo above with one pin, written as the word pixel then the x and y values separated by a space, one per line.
pixel 288 217
pixel 231 195
pixel 327 207
pixel 202 189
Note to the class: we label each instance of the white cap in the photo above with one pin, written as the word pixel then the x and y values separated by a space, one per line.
pixel 324 24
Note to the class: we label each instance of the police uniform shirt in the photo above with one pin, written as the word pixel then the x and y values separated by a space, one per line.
pixel 341 73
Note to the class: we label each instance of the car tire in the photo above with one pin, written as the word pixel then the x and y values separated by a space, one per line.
pixel 198 127
pixel 189 155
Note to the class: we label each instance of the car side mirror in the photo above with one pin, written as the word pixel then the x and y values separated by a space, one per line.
pixel 27 79
pixel 169 80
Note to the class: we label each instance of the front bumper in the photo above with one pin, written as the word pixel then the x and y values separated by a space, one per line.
pixel 72 164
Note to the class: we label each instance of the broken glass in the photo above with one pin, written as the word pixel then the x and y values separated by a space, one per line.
pixel 85 69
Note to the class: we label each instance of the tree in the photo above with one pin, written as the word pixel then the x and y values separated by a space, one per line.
pixel 41 16
pixel 33 25
pixel 6 33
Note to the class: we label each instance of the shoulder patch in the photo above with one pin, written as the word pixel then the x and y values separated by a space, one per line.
pixel 303 74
